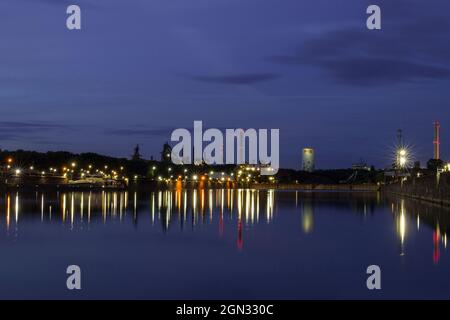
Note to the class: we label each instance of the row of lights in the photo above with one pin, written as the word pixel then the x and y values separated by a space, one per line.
pixel 115 174
pixel 194 178
pixel 66 170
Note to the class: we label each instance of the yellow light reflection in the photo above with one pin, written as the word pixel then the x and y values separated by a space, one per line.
pixel 17 208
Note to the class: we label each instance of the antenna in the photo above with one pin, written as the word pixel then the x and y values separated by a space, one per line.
pixel 399 138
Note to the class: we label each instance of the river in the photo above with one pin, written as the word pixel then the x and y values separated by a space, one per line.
pixel 221 244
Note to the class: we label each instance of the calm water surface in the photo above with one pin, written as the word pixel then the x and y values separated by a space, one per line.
pixel 208 244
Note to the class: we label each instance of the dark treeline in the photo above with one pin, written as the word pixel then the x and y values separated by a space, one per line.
pixel 143 168
pixel 153 169
pixel 43 161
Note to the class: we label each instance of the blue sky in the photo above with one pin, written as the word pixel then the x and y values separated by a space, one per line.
pixel 139 69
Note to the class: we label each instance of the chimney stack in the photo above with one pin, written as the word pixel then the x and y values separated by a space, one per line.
pixel 437 141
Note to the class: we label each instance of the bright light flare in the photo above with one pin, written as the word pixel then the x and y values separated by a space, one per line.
pixel 403 157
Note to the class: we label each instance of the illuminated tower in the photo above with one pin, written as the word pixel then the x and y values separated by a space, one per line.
pixel 437 141
pixel 308 160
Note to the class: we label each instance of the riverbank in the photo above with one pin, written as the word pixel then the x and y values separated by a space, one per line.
pixel 435 189
pixel 198 185
pixel 318 187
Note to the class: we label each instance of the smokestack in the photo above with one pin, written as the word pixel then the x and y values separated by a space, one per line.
pixel 437 141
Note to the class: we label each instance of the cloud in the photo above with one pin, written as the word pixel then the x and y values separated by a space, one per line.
pixel 374 71
pixel 29 126
pixel 238 79
pixel 66 3
pixel 401 52
pixel 30 130
pixel 164 132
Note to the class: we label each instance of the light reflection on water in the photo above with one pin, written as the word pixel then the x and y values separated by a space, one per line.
pixel 193 207
pixel 408 215
pixel 288 230
pixel 166 208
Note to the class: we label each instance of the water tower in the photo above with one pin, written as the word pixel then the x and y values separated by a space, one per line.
pixel 308 160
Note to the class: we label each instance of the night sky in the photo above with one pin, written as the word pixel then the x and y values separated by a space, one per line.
pixel 140 68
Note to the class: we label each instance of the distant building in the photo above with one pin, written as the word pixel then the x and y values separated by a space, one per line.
pixel 361 165
pixel 136 156
pixel 308 160
pixel 166 153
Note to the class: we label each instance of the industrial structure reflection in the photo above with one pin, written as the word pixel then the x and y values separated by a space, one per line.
pixel 407 214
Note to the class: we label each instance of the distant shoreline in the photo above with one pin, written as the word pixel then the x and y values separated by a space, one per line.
pixel 193 186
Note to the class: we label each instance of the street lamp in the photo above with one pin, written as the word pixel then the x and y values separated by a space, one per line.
pixel 402 158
